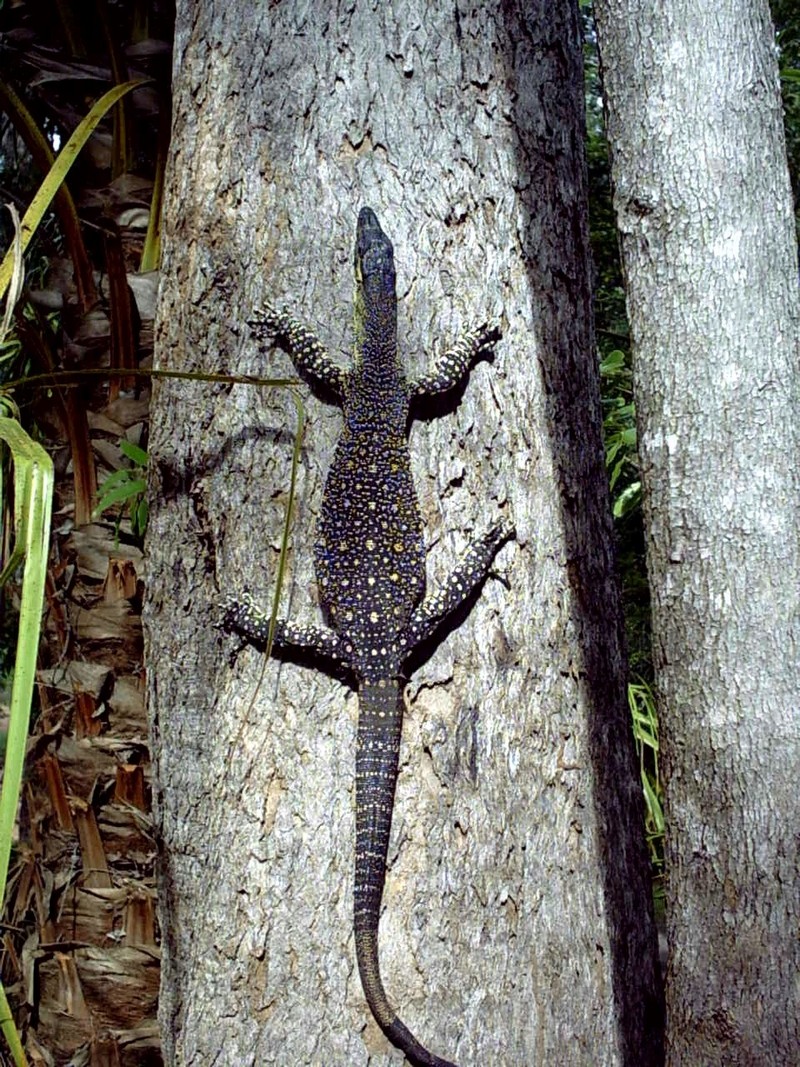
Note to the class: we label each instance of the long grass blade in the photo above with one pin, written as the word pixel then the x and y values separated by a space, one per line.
pixel 66 157
pixel 33 496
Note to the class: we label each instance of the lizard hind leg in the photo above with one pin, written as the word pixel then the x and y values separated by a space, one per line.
pixel 241 615
pixel 471 570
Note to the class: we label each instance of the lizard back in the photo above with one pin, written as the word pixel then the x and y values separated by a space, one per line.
pixel 370 551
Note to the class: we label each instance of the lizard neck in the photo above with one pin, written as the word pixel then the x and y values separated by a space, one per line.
pixel 379 383
pixel 375 309
pixel 376 357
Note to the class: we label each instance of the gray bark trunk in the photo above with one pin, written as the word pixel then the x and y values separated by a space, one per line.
pixel 705 209
pixel 518 889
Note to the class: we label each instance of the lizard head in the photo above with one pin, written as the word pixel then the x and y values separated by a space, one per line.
pixel 374 258
pixel 375 302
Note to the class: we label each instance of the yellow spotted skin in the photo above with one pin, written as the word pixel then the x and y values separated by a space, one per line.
pixel 370 566
pixel 370 553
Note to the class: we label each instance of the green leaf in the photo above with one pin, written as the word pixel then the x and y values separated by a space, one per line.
pixel 114 479
pixel 629 437
pixel 653 804
pixel 617 471
pixel 134 453
pixel 628 499
pixel 127 491
pixel 613 449
pixel 613 363
pixel 139 517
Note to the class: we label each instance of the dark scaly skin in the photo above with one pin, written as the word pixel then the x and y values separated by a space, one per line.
pixel 370 567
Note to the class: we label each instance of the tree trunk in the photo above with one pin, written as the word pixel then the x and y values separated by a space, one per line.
pixel 705 210
pixel 518 888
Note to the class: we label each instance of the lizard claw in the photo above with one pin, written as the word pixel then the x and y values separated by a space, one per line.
pixel 231 610
pixel 266 320
pixel 487 337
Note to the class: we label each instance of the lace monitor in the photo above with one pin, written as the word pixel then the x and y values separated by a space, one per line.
pixel 370 565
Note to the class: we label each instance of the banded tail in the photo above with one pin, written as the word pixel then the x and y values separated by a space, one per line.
pixel 380 722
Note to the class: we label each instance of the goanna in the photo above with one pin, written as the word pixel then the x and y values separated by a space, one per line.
pixel 370 566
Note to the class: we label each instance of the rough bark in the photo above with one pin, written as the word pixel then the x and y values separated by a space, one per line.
pixel 704 206
pixel 518 889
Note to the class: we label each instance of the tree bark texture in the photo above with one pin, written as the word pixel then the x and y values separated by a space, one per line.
pixel 704 205
pixel 516 927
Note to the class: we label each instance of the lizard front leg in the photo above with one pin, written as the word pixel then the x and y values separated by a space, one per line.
pixel 453 364
pixel 467 575
pixel 305 349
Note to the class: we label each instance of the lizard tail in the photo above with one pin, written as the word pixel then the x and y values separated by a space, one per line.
pixel 380 722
